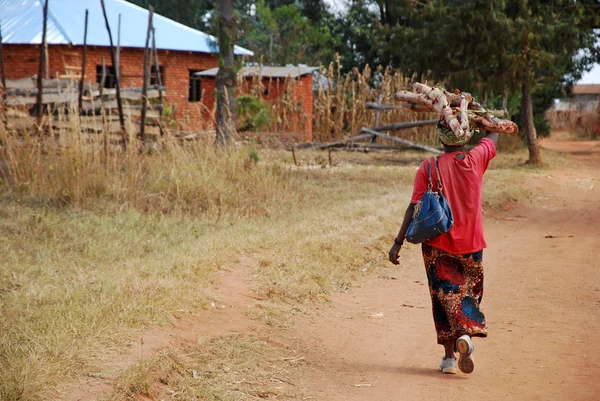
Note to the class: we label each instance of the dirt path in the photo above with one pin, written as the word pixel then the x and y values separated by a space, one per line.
pixel 377 341
pixel 542 303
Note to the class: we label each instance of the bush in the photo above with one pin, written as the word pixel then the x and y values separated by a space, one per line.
pixel 253 114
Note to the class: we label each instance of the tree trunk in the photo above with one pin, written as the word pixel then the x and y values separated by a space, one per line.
pixel 226 77
pixel 535 158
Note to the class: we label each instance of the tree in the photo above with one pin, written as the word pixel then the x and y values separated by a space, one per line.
pixel 514 45
pixel 227 74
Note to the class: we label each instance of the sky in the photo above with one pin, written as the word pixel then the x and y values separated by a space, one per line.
pixel 592 77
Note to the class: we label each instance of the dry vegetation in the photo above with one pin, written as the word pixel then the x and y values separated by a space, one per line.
pixel 97 245
pixel 217 369
pixel 579 125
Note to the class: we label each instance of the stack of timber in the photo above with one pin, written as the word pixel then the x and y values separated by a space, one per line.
pixel 459 111
pixel 99 111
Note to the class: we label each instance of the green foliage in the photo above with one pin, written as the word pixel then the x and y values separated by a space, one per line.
pixel 253 114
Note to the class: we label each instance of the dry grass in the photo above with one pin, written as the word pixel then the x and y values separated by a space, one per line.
pixel 232 368
pixel 95 247
pixel 577 124
pixel 341 109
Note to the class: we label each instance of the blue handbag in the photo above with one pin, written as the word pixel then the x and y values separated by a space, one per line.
pixel 432 216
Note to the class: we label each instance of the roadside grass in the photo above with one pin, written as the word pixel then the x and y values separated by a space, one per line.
pixel 81 274
pixel 229 368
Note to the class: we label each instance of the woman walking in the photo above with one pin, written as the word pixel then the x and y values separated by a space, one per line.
pixel 454 260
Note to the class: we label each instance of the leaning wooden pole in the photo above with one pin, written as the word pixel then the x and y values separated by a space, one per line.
pixel 145 84
pixel 82 80
pixel 157 66
pixel 40 86
pixel 117 80
pixel 401 140
pixel 3 72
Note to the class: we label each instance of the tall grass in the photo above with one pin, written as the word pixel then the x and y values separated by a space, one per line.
pixel 340 109
pixel 193 178
pixel 580 124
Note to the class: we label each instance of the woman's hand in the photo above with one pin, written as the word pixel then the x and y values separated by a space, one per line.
pixel 395 253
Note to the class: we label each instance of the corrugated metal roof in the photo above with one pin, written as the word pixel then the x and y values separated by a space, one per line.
pixel 267 72
pixel 589 89
pixel 21 22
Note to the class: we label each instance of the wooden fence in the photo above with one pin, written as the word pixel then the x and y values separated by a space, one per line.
pixel 98 114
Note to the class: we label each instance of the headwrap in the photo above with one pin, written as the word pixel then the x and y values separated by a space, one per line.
pixel 448 137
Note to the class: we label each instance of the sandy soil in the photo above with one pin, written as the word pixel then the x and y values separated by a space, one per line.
pixel 542 304
pixel 376 341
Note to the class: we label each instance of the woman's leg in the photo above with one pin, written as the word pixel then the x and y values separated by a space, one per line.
pixel 449 349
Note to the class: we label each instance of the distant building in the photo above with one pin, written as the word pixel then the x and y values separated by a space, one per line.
pixel 584 98
pixel 182 51
pixel 290 85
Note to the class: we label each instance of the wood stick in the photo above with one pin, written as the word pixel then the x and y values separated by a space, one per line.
pixel 378 106
pixel 377 115
pixel 340 142
pixel 3 72
pixel 81 81
pixel 117 82
pixel 402 141
pixel 157 66
pixel 41 67
pixel 145 86
pixel 406 125
pixel 118 66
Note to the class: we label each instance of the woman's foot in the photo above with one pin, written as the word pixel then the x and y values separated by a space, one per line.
pixel 465 347
pixel 448 365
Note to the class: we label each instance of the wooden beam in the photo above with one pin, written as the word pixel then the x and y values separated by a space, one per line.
pixel 157 65
pixel 3 72
pixel 82 80
pixel 377 115
pixel 336 143
pixel 40 111
pixel 118 66
pixel 379 106
pixel 406 125
pixel 402 141
pixel 145 84
pixel 117 82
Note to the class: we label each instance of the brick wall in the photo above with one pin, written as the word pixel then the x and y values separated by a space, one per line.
pixel 22 61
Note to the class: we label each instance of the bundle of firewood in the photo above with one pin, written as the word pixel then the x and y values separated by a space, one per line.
pixel 458 111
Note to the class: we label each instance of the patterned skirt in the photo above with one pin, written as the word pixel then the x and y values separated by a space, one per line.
pixel 456 288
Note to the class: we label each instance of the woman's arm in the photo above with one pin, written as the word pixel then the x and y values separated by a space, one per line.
pixel 395 250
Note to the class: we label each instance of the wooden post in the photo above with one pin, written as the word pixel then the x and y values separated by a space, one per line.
pixel 82 80
pixel 330 161
pixel 117 81
pixel 157 66
pixel 294 155
pixel 145 85
pixel 118 66
pixel 377 113
pixel 105 129
pixel 40 86
pixel 402 141
pixel 3 72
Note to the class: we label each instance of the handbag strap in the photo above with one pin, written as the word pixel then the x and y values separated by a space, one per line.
pixel 429 183
pixel 439 177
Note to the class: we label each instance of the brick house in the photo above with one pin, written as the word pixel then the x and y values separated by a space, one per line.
pixel 182 51
pixel 289 91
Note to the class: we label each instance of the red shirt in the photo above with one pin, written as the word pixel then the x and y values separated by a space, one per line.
pixel 461 182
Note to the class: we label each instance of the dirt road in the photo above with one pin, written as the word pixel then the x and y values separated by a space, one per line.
pixel 376 341
pixel 542 304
